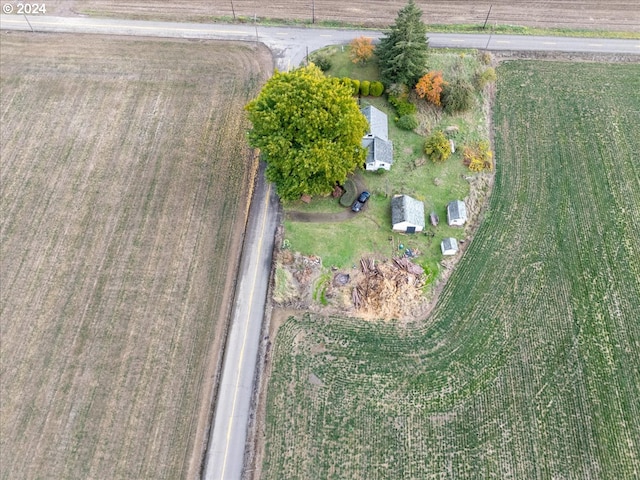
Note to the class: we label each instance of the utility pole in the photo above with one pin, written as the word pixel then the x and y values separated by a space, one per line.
pixel 233 11
pixel 313 11
pixel 487 19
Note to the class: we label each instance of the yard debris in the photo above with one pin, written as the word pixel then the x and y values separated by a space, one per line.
pixel 341 279
pixel 368 266
pixel 388 289
pixel 407 265
pixel 375 289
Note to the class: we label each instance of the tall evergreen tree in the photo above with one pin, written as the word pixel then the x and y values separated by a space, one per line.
pixel 402 53
pixel 309 129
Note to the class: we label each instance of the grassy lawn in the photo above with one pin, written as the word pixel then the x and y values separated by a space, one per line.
pixel 529 366
pixel 342 244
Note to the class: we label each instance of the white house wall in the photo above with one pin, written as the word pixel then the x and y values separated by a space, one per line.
pixel 372 167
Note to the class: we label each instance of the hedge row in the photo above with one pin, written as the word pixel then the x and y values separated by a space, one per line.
pixel 365 88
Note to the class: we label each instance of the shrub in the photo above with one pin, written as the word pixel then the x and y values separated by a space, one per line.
pixel 429 87
pixel 355 85
pixel 407 122
pixel 365 86
pixel 361 49
pixel 321 60
pixel 398 90
pixel 350 193
pixel 486 58
pixel 457 97
pixel 486 77
pixel 376 89
pixel 437 147
pixel 402 106
pixel 478 156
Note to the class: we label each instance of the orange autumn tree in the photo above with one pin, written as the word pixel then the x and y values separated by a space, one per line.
pixel 361 49
pixel 429 87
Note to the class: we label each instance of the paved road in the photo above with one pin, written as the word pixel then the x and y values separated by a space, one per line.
pixel 289 45
pixel 225 457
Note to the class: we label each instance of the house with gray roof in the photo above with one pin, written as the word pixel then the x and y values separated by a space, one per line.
pixel 456 213
pixel 449 246
pixel 407 214
pixel 376 140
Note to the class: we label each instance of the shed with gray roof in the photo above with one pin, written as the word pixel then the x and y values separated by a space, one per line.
pixel 449 246
pixel 407 214
pixel 456 213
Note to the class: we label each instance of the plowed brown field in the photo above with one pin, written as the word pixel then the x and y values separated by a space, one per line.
pixel 125 182
pixel 617 15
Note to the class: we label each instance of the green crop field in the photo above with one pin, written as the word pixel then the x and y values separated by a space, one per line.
pixel 529 367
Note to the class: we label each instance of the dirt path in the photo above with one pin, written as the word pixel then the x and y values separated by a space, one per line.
pixel 323 217
pixel 319 217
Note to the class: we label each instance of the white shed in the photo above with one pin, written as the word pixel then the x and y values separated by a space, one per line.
pixel 456 213
pixel 449 246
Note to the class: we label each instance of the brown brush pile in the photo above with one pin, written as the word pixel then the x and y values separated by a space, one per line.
pixel 379 289
pixel 389 289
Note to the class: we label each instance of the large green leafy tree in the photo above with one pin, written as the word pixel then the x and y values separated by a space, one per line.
pixel 402 52
pixel 309 129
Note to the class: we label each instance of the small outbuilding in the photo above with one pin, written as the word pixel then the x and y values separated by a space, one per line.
pixel 456 213
pixel 407 214
pixel 449 246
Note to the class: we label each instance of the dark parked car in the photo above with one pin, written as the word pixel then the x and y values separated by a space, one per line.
pixel 359 203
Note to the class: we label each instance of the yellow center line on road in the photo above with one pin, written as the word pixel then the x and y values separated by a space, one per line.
pixel 246 329
pixel 595 44
pixel 134 27
pixel 457 40
pixel 503 41
pixel 548 43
